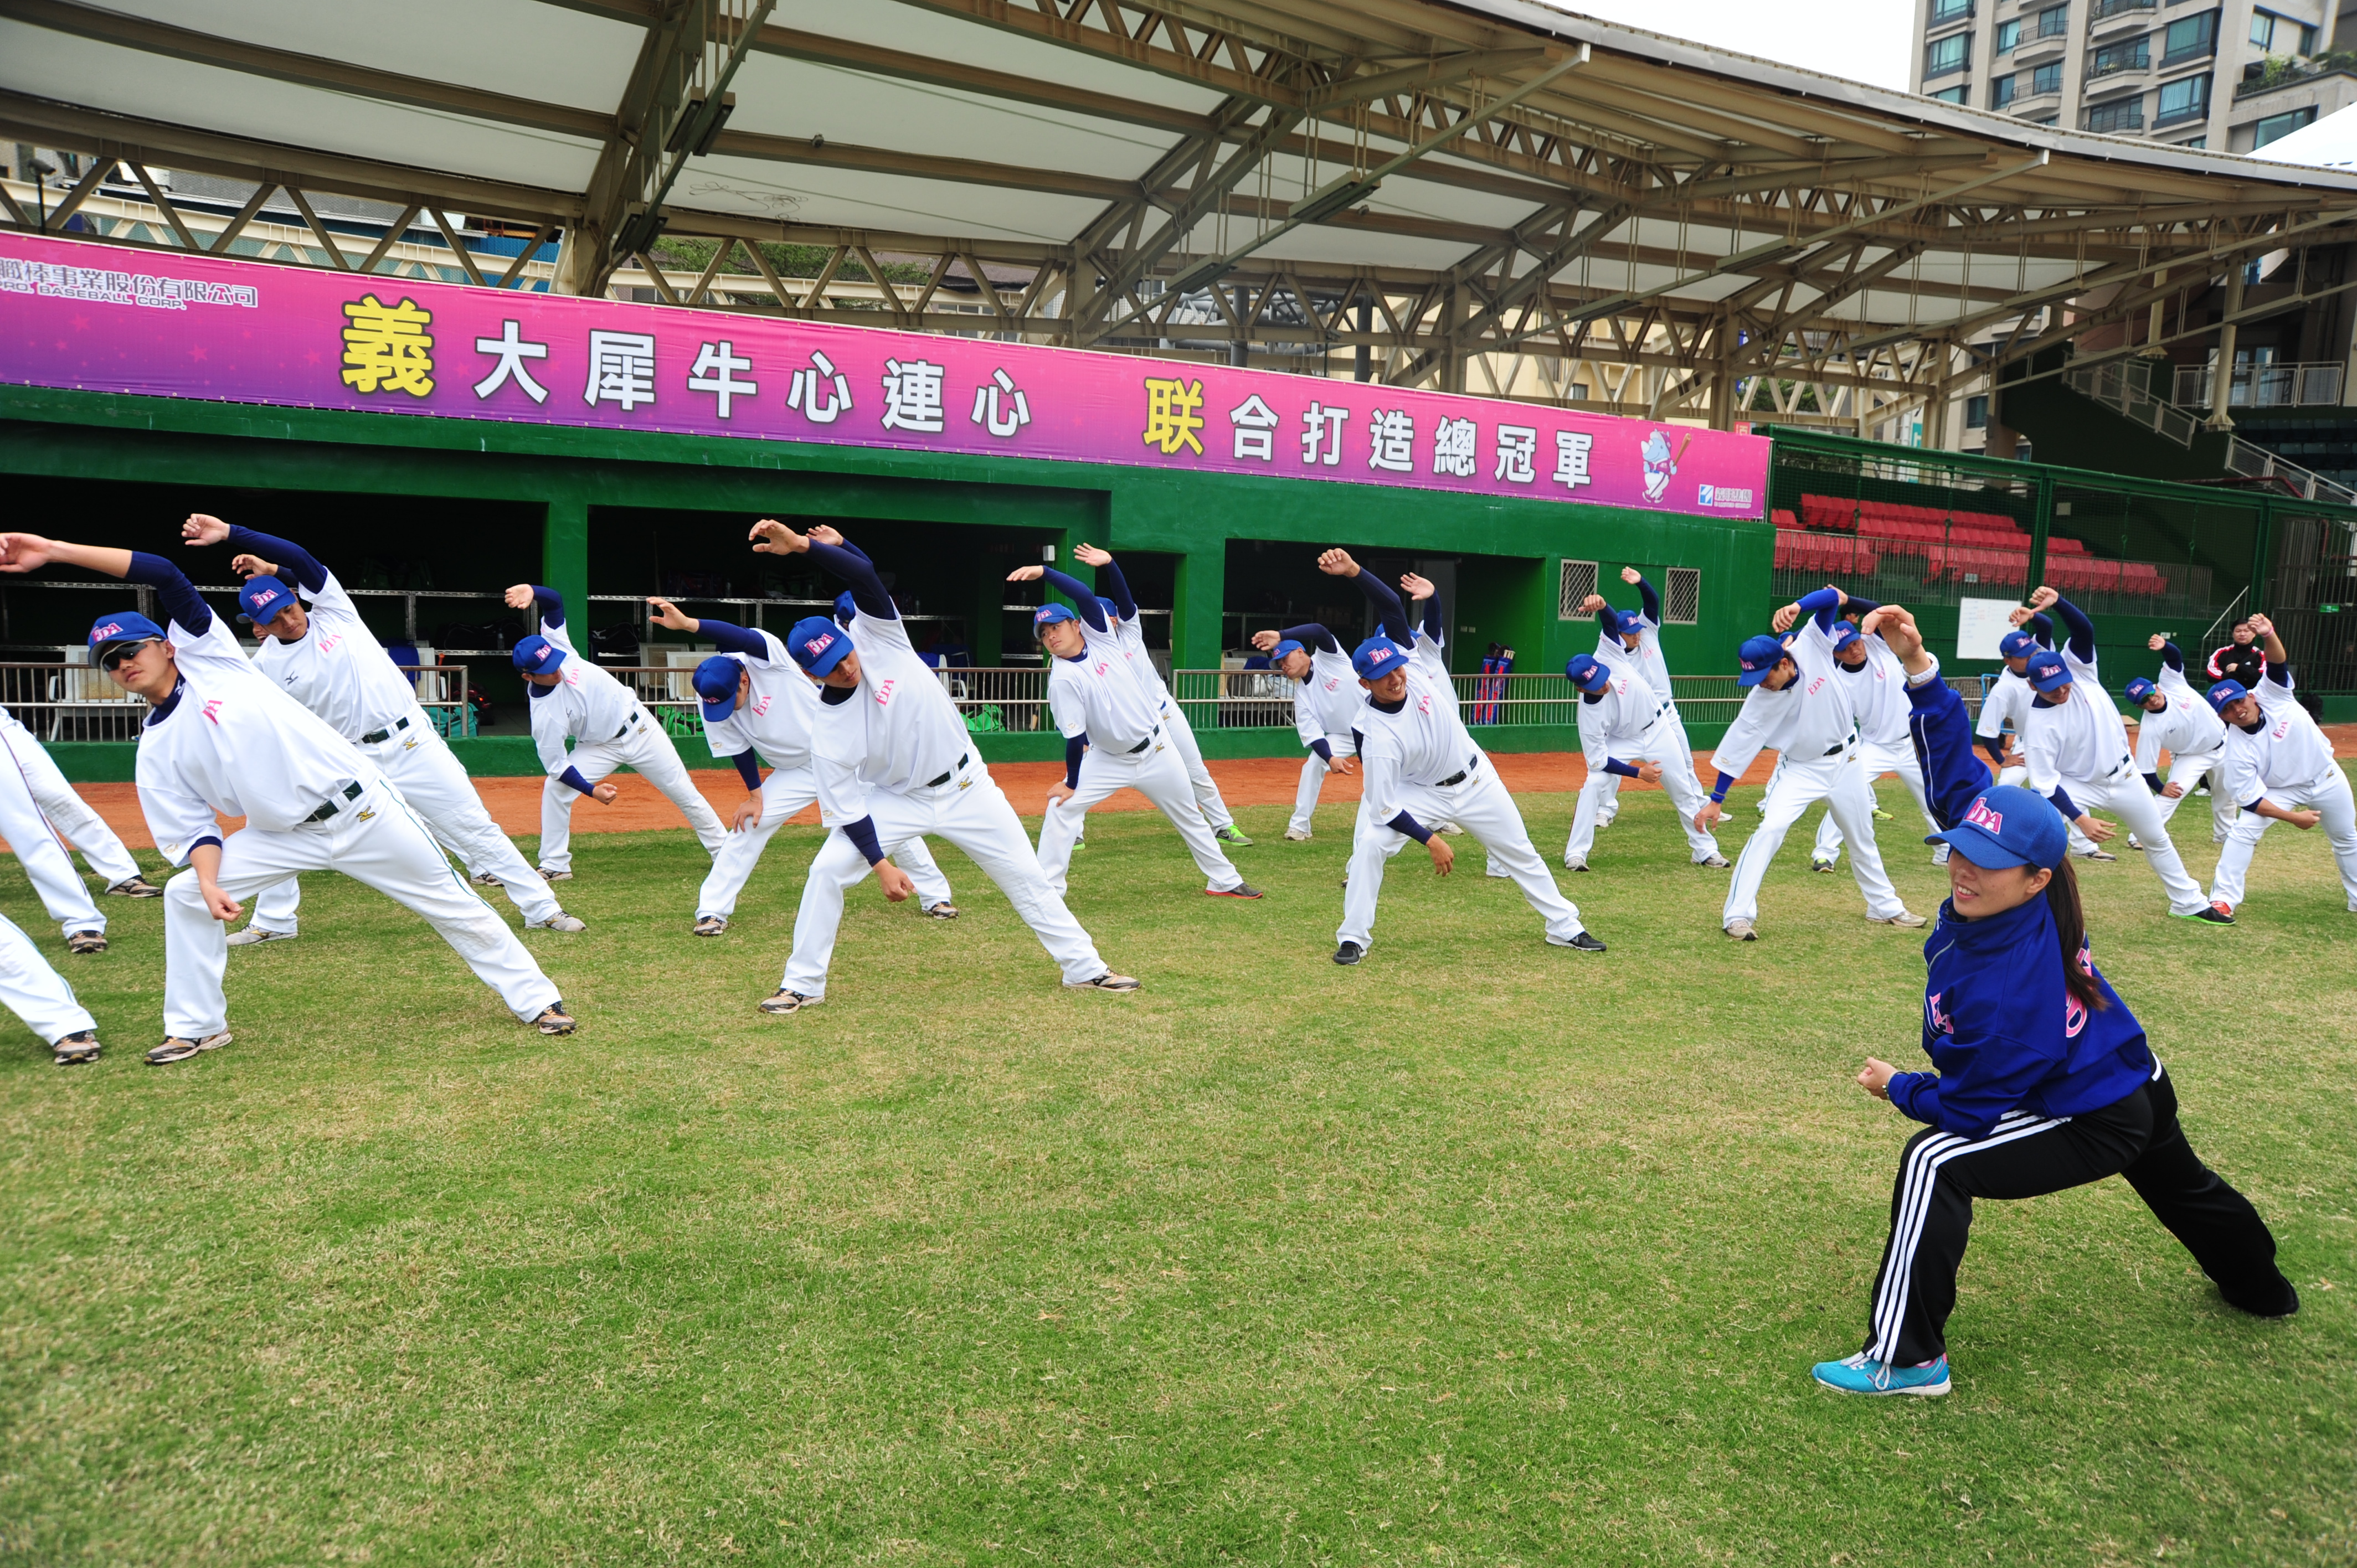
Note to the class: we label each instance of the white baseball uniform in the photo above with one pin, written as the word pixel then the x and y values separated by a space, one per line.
pixel 1326 704
pixel 1174 724
pixel 1646 661
pixel 1812 724
pixel 229 742
pixel 2007 703
pixel 894 751
pixel 609 727
pixel 43 855
pixel 2081 746
pixel 1879 693
pixel 35 992
pixel 774 720
pixel 83 829
pixel 1422 766
pixel 1628 722
pixel 2195 739
pixel 341 671
pixel 2286 761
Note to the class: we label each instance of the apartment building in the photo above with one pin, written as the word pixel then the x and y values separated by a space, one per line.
pixel 2230 75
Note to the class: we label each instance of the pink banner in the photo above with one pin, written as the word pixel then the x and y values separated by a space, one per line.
pixel 80 315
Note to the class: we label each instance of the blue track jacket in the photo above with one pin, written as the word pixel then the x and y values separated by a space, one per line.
pixel 1997 1022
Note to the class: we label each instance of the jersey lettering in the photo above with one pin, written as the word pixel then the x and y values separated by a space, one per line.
pixel 212 709
pixel 1940 1023
pixel 884 694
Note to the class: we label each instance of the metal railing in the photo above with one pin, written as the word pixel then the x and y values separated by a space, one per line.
pixel 2111 385
pixel 80 702
pixel 2301 385
pixel 2105 10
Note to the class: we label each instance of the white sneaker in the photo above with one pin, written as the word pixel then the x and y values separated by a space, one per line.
pixel 253 934
pixel 560 921
pixel 1903 918
pixel 1296 836
pixel 1742 930
pixel 1573 862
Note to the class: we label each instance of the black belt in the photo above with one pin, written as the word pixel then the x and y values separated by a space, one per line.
pixel 377 735
pixel 628 725
pixel 1455 778
pixel 936 783
pixel 348 792
pixel 1142 745
pixel 1845 745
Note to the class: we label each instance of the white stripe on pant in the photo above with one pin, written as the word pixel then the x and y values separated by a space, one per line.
pixel 67 811
pixel 644 747
pixel 374 840
pixel 1840 782
pixel 2333 802
pixel 436 784
pixel 971 812
pixel 1314 769
pixel 1157 773
pixel 785 792
pixel 35 992
pixel 1665 742
pixel 1877 761
pixel 1479 805
pixel 1191 752
pixel 2127 797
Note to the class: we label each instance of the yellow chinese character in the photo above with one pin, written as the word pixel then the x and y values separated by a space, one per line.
pixel 387 347
pixel 1173 416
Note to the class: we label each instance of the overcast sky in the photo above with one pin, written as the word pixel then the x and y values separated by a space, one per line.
pixel 1865 40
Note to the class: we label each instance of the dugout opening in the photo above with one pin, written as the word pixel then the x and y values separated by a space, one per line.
pixel 1492 601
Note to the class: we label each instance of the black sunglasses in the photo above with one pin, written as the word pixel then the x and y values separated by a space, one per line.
pixel 121 652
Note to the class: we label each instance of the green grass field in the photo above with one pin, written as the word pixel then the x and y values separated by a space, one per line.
pixel 1482 1252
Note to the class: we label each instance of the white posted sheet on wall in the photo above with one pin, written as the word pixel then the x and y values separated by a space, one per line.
pixel 1980 623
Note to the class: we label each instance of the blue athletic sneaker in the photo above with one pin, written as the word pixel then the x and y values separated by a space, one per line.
pixel 1858 1375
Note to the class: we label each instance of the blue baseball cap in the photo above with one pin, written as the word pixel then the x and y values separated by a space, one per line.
pixel 845 606
pixel 2009 825
pixel 535 655
pixel 1112 611
pixel 2017 644
pixel 1758 656
pixel 261 598
pixel 129 626
pixel 1048 615
pixel 817 644
pixel 2045 669
pixel 1276 655
pixel 1845 634
pixel 2222 695
pixel 1628 622
pixel 716 680
pixel 1378 656
pixel 2140 689
pixel 1588 672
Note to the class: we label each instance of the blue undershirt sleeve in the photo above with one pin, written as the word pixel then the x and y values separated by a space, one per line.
pixel 1718 790
pixel 1995 745
pixel 2064 804
pixel 181 602
pixel 1652 600
pixel 1608 620
pixel 1309 634
pixel 1075 744
pixel 1434 623
pixel 1117 590
pixel 1083 598
pixel 2082 630
pixel 2173 656
pixel 291 557
pixel 748 769
pixel 1614 765
pixel 863 834
pixel 857 573
pixel 1389 612
pixel 1406 823
pixel 1324 750
pixel 2280 674
pixel 212 838
pixel 551 602
pixel 572 776
pixel 734 639
pixel 2152 782
pixel 1857 610
pixel 2042 629
pixel 1823 605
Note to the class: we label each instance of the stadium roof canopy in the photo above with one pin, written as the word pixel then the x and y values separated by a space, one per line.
pixel 1489 195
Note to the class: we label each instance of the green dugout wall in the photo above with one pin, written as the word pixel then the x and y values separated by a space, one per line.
pixel 484 503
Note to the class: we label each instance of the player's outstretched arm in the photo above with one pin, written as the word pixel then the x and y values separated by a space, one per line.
pixel 1954 774
pixel 1652 600
pixel 203 528
pixel 1083 598
pixel 1108 571
pixel 828 549
pixel 30 551
pixel 1389 612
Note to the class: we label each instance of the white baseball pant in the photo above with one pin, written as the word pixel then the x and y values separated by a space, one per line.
pixel 436 784
pixel 971 812
pixel 2127 797
pixel 644 747
pixel 1663 742
pixel 785 792
pixel 2338 807
pixel 1159 775
pixel 1479 805
pixel 1876 761
pixel 2079 843
pixel 43 855
pixel 375 840
pixel 2189 770
pixel 67 812
pixel 1314 769
pixel 1840 781
pixel 1207 793
pixel 35 992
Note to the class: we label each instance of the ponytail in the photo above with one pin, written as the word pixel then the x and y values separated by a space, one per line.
pixel 2071 935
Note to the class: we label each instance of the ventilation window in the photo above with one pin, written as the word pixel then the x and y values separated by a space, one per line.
pixel 1578 582
pixel 1684 605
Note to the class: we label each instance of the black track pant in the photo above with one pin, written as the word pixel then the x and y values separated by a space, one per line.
pixel 2025 1156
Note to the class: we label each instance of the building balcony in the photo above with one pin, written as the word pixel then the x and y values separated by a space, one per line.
pixel 2039 50
pixel 2115 77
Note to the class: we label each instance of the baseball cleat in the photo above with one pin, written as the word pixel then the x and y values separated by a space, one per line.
pixel 1573 862
pixel 560 921
pixel 484 879
pixel 1451 828
pixel 943 911
pixel 1819 863
pixel 1882 816
pixel 253 934
pixel 1108 980
pixel 1606 821
pixel 553 1019
pixel 2133 843
pixel 1858 1375
pixel 1241 890
pixel 2212 915
pixel 2099 854
pixel 176 1050
pixel 1583 942
pixel 1349 953
pixel 1232 834
pixel 711 925
pixel 74 1049
pixel 135 886
pixel 85 942
pixel 1742 930
pixel 1296 836
pixel 1903 918
pixel 2222 908
pixel 548 875
pixel 786 1001
pixel 1716 863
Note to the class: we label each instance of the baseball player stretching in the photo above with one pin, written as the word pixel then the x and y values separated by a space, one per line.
pixel 2079 757
pixel 893 760
pixel 84 829
pixel 574 700
pixel 1326 704
pixel 1878 689
pixel 316 649
pixel 1628 731
pixel 2007 703
pixel 222 740
pixel 1633 637
pixel 1800 705
pixel 2043 1079
pixel 1122 610
pixel 48 865
pixel 757 704
pixel 2275 756
pixel 1422 768
pixel 2177 719
pixel 1113 738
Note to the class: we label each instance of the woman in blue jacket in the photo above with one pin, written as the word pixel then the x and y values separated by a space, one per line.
pixel 2043 1081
